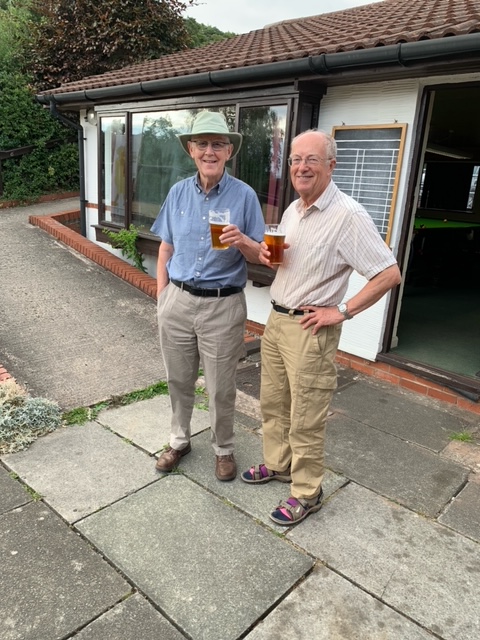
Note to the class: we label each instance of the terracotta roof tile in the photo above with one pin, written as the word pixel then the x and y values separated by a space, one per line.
pixel 373 25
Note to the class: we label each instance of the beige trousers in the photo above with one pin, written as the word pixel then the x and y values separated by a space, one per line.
pixel 298 378
pixel 206 332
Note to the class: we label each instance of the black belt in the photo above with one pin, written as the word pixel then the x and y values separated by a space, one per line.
pixel 207 293
pixel 291 312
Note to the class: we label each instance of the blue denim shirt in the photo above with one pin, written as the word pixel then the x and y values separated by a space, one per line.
pixel 183 223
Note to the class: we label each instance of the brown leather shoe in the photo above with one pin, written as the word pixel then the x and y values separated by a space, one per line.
pixel 171 457
pixel 226 468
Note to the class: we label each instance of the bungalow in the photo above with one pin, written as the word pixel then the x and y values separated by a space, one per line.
pixel 396 82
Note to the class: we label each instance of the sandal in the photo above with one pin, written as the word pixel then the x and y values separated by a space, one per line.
pixel 259 474
pixel 295 510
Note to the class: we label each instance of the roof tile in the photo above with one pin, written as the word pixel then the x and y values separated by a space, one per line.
pixel 364 27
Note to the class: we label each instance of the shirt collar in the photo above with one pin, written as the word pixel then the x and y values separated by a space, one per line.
pixel 320 203
pixel 219 187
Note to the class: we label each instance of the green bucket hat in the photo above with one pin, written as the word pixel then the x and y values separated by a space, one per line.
pixel 211 122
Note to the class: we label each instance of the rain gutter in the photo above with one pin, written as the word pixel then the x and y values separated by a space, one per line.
pixel 404 54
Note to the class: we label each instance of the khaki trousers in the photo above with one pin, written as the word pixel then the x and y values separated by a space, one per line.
pixel 206 332
pixel 298 378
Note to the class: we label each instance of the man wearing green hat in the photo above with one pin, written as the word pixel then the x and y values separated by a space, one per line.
pixel 201 300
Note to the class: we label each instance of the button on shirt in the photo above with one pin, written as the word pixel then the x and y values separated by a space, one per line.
pixel 329 240
pixel 183 223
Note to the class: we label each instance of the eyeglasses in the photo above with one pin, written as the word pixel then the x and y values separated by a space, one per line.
pixel 204 144
pixel 310 161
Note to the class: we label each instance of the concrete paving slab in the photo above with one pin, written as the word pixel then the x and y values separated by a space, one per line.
pixel 147 423
pixel 325 606
pixel 416 566
pixel 12 493
pixel 52 580
pixel 90 338
pixel 133 619
pixel 463 513
pixel 394 413
pixel 256 500
pixel 465 453
pixel 208 567
pixel 409 474
pixel 80 469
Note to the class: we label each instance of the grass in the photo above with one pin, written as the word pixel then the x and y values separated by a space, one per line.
pixel 80 415
pixel 461 436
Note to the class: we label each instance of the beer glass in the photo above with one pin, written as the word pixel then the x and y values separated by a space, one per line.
pixel 218 218
pixel 274 238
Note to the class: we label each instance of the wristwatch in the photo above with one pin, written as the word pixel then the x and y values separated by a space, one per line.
pixel 344 311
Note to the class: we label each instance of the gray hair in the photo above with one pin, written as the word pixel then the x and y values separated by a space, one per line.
pixel 331 145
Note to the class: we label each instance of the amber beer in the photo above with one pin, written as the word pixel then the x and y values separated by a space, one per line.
pixel 218 219
pixel 274 238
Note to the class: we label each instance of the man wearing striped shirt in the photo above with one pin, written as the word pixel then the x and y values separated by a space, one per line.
pixel 328 235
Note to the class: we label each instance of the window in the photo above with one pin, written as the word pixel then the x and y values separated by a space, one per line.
pixel 133 192
pixel 449 186
pixel 261 159
pixel 114 166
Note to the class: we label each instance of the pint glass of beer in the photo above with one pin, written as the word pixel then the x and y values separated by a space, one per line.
pixel 218 218
pixel 274 238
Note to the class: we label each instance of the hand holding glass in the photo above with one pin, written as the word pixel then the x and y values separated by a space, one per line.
pixel 218 218
pixel 274 238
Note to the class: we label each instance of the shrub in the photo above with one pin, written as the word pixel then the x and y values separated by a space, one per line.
pixel 23 418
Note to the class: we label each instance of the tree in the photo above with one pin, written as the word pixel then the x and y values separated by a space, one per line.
pixel 73 39
pixel 203 34
pixel 14 31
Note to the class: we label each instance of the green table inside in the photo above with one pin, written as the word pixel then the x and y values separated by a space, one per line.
pixel 437 223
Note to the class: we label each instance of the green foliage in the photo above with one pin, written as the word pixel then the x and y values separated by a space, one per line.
pixel 84 414
pixel 202 34
pixel 23 418
pixel 14 17
pixel 461 436
pixel 72 40
pixel 126 241
pixel 24 122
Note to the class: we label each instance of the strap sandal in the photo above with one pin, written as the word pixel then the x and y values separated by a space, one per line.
pixel 295 510
pixel 259 474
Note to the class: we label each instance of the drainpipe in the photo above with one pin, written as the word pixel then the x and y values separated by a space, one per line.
pixel 81 160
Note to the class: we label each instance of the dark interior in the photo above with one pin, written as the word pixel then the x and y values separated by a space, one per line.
pixel 439 322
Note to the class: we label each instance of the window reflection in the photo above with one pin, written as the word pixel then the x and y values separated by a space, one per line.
pixel 158 160
pixel 261 158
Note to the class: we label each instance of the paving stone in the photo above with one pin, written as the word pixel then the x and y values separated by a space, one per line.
pixel 208 567
pixel 465 453
pixel 133 619
pixel 52 581
pixel 406 473
pixel 416 566
pixel 325 606
pixel 147 423
pixel 463 513
pixel 394 413
pixel 256 500
pixel 12 493
pixel 80 469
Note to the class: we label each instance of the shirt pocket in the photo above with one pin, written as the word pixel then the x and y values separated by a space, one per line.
pixel 182 222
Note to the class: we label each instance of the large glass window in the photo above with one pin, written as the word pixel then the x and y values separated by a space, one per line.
pixel 114 169
pixel 134 191
pixel 261 157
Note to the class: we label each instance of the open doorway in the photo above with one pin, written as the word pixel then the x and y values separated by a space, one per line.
pixel 439 321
